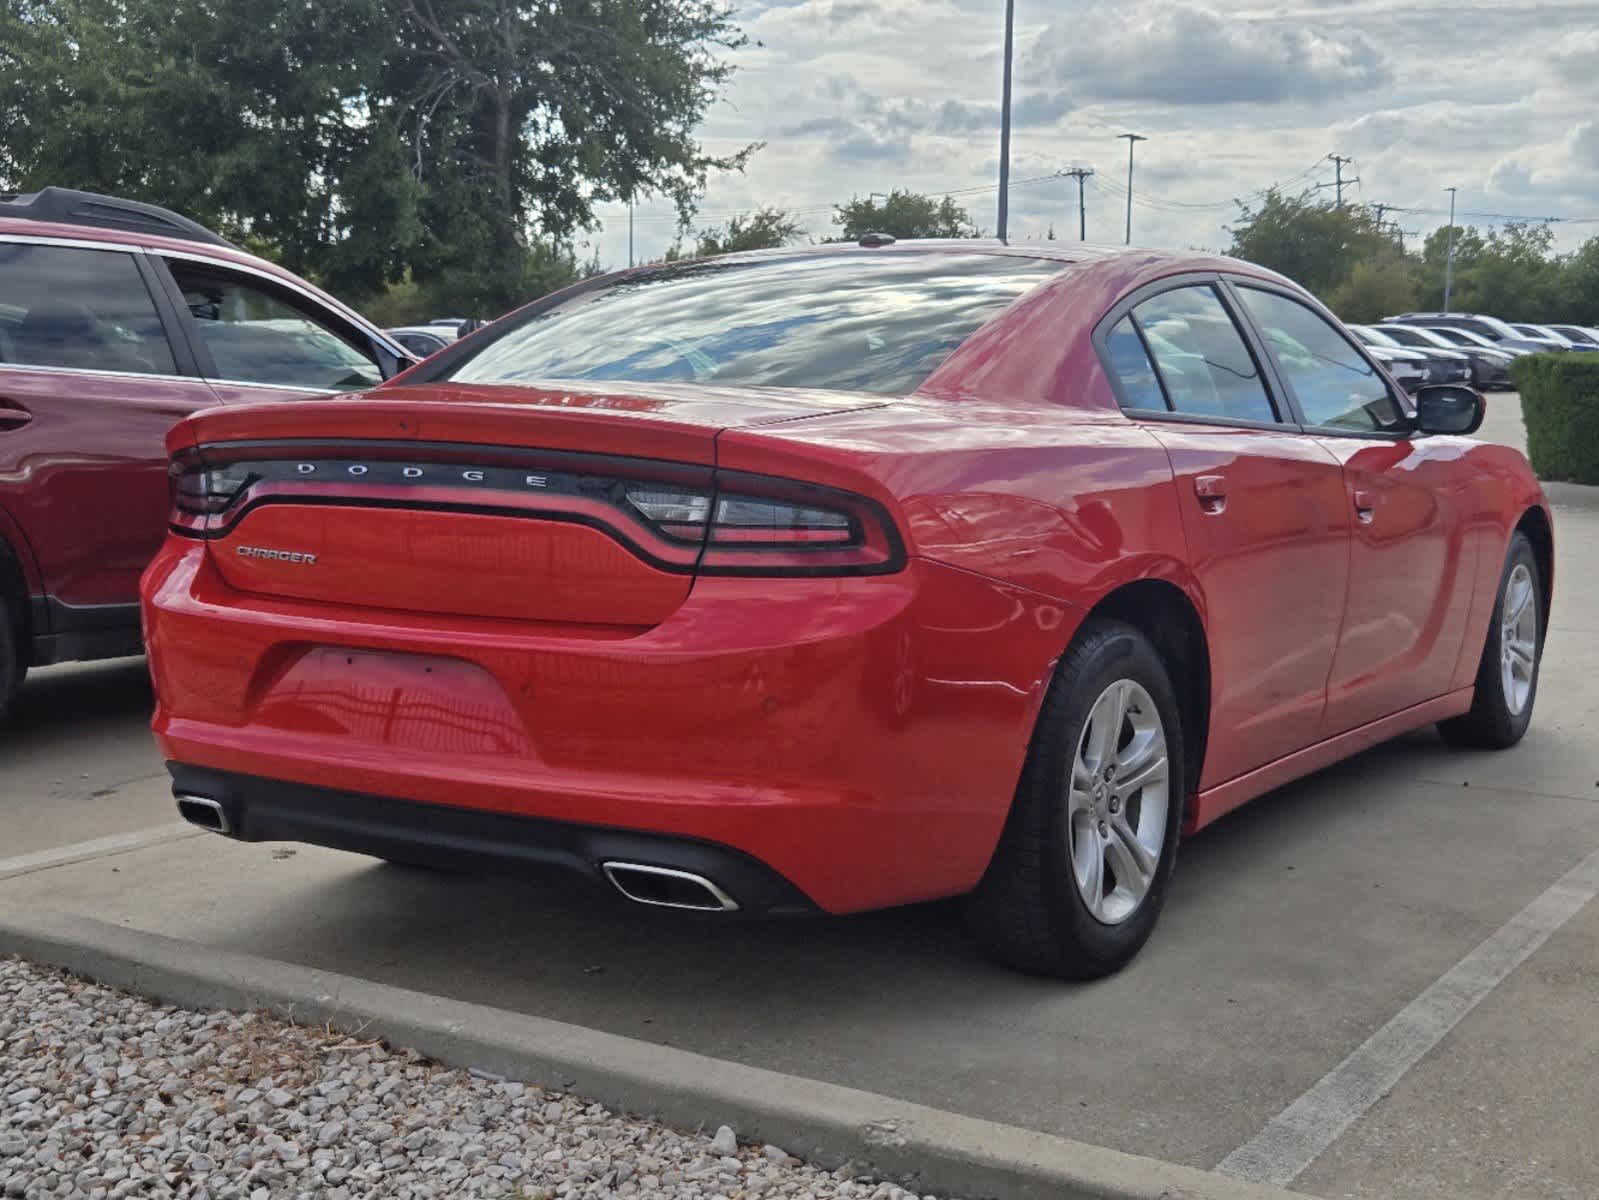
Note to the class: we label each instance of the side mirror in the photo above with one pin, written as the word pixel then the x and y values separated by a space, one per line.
pixel 1447 408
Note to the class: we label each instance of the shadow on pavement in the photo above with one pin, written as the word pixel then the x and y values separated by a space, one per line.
pixel 80 700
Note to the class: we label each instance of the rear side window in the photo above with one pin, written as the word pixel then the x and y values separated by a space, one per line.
pixel 78 310
pixel 874 323
pixel 1130 361
pixel 1200 357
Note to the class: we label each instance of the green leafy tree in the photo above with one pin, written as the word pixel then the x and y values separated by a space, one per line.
pixel 460 144
pixel 764 229
pixel 1512 272
pixel 1580 285
pixel 903 214
pixel 524 117
pixel 1376 288
pixel 1313 242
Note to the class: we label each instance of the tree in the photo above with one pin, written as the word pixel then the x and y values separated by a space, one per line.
pixel 365 142
pixel 1511 272
pixel 764 229
pixel 1376 288
pixel 523 117
pixel 1312 241
pixel 903 215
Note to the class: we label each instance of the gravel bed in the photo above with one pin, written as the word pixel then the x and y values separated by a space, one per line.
pixel 104 1094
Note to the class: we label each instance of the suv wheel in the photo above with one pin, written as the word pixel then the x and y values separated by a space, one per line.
pixel 13 667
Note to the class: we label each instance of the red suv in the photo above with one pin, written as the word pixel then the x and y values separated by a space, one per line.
pixel 116 320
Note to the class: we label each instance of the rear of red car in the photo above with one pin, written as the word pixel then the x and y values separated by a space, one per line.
pixel 515 625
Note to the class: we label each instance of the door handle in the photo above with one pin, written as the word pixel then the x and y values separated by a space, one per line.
pixel 1212 492
pixel 13 415
pixel 1365 505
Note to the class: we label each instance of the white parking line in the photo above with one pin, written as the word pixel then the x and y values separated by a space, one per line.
pixel 59 856
pixel 1298 1135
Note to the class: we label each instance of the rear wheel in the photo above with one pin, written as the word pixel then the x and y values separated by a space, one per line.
pixel 1507 677
pixel 1081 870
pixel 13 667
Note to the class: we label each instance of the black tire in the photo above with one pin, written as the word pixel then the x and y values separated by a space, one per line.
pixel 13 667
pixel 1491 724
pixel 1028 911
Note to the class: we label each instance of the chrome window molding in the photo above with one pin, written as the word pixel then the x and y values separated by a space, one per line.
pixel 48 370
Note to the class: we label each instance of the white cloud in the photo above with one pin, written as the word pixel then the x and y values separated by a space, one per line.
pixel 1185 53
pixel 1496 97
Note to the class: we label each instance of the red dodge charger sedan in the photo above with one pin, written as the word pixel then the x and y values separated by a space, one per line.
pixel 832 579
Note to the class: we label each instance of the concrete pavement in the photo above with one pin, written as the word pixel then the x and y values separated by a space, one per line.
pixel 1297 928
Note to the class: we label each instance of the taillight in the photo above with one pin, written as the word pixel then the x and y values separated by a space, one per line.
pixel 199 491
pixel 677 516
pixel 763 525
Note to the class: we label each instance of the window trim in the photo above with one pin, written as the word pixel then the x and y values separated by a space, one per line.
pixel 1234 283
pixel 1246 332
pixel 185 368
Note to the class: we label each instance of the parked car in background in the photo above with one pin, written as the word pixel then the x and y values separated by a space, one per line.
pixel 837 578
pixel 1490 368
pixel 1553 339
pixel 1579 335
pixel 117 319
pixel 1439 366
pixel 1496 331
pixel 422 340
pixel 1408 367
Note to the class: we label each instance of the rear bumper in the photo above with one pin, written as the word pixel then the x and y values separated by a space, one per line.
pixel 266 810
pixel 861 738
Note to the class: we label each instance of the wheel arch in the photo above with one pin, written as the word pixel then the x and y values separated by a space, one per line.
pixel 1167 616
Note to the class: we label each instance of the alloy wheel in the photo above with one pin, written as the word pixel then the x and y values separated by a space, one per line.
pixel 1119 802
pixel 1518 638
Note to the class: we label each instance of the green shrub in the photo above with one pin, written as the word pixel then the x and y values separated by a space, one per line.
pixel 1560 404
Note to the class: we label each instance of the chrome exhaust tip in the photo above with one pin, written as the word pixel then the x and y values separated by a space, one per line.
pixel 204 812
pixel 662 887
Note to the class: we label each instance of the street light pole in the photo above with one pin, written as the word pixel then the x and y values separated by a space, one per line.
pixel 1132 140
pixel 1004 122
pixel 1449 254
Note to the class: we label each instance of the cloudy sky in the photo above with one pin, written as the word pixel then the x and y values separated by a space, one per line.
pixel 1498 98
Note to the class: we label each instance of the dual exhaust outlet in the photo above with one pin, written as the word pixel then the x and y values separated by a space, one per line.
pixel 658 887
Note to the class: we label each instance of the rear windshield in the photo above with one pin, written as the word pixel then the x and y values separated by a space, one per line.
pixel 877 323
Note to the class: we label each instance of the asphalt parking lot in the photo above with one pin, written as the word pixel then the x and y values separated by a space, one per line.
pixel 1298 928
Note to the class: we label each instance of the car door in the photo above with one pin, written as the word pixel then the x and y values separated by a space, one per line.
pixel 90 381
pixel 256 337
pixel 1263 511
pixel 1410 561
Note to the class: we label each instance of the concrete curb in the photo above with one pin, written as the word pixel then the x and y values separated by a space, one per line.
pixel 1572 495
pixel 822 1122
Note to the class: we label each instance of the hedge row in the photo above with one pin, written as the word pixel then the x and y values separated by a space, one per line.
pixel 1560 404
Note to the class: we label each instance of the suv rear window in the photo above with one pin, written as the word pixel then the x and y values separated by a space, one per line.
pixel 78 310
pixel 879 323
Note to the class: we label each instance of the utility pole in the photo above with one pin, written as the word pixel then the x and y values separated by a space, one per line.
pixel 1338 161
pixel 1080 174
pixel 1132 140
pixel 630 231
pixel 1004 121
pixel 1449 254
